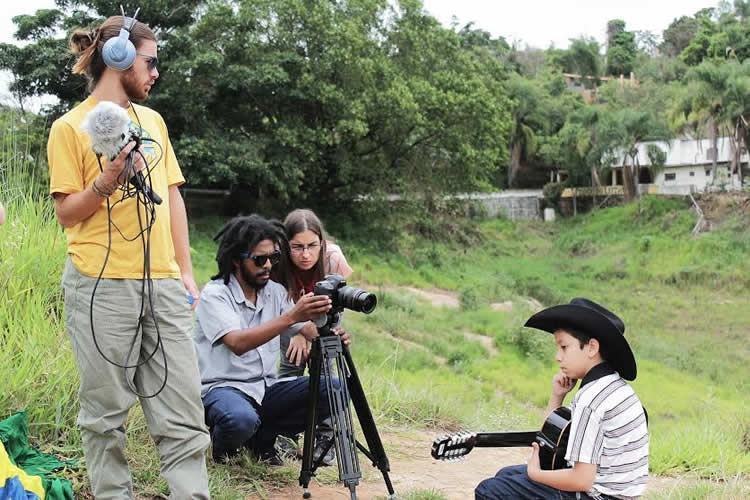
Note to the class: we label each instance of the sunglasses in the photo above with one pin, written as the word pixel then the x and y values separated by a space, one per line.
pixel 151 61
pixel 260 260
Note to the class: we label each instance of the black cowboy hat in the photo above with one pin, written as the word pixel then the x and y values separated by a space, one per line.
pixel 595 321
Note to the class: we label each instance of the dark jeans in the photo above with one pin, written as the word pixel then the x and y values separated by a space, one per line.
pixel 236 420
pixel 513 482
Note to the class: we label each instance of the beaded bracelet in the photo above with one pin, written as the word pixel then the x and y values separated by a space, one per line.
pixel 99 191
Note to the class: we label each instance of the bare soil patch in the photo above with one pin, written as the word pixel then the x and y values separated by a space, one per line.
pixel 412 468
pixel 486 342
pixel 718 207
pixel 436 296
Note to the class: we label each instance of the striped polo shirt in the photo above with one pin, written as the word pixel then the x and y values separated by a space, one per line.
pixel 609 428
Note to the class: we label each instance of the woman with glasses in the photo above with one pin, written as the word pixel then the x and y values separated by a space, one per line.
pixel 311 257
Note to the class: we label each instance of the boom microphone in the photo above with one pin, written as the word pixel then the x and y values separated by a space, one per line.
pixel 108 125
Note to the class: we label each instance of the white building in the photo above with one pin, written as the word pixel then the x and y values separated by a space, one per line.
pixel 688 165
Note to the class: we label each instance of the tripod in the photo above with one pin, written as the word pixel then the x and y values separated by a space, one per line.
pixel 327 353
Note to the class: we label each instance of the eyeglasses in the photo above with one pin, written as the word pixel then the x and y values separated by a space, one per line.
pixel 312 247
pixel 260 260
pixel 151 61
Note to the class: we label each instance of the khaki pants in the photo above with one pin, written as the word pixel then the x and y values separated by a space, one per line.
pixel 174 417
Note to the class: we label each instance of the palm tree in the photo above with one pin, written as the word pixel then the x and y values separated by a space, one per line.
pixel 528 116
pixel 717 96
pixel 583 137
pixel 634 127
pixel 736 110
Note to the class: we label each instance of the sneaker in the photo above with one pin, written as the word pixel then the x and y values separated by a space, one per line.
pixel 288 447
pixel 322 442
pixel 270 457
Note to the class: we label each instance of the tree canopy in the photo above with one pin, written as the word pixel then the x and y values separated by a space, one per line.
pixel 323 102
pixel 316 100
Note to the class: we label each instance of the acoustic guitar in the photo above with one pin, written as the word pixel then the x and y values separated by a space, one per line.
pixel 552 440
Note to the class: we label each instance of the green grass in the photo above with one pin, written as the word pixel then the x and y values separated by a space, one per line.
pixel 732 489
pixel 33 342
pixel 683 300
pixel 431 494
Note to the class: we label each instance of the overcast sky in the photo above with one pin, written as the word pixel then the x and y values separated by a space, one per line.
pixel 538 23
pixel 541 22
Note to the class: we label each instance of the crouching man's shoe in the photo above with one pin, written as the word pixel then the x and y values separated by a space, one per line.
pixel 322 442
pixel 270 457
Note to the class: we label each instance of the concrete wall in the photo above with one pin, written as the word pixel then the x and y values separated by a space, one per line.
pixel 698 176
pixel 519 204
pixel 512 204
pixel 667 189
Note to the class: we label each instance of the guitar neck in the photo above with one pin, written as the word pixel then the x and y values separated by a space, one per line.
pixel 504 439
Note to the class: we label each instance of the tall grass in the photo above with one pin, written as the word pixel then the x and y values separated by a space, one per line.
pixel 39 374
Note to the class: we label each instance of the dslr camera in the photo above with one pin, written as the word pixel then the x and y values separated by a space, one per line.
pixel 343 297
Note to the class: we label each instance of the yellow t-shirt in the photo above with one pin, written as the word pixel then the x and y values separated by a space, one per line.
pixel 73 167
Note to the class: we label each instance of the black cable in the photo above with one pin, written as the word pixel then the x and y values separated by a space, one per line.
pixel 141 201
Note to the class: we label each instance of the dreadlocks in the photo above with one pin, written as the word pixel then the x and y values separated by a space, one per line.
pixel 243 233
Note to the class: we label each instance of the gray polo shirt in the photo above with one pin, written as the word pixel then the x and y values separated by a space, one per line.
pixel 222 309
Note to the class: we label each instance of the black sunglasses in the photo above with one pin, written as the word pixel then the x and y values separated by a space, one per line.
pixel 260 260
pixel 151 61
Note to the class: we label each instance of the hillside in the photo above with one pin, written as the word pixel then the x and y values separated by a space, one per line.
pixel 429 361
pixel 462 361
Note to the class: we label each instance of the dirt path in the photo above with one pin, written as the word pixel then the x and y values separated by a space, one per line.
pixel 412 468
pixel 486 342
pixel 450 299
pixel 437 297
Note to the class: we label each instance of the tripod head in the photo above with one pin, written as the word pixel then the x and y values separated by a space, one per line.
pixel 342 297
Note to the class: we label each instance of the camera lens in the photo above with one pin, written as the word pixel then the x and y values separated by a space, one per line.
pixel 357 299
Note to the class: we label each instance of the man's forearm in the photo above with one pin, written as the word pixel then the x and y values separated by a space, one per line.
pixel 77 207
pixel 180 238
pixel 241 341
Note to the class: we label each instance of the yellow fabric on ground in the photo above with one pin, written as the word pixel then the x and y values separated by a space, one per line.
pixel 8 471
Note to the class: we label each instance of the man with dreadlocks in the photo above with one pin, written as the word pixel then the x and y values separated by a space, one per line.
pixel 239 319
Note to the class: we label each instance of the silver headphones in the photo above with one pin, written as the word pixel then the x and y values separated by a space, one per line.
pixel 119 52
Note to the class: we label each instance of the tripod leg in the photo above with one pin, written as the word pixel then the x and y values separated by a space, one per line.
pixel 359 400
pixel 341 415
pixel 326 353
pixel 308 471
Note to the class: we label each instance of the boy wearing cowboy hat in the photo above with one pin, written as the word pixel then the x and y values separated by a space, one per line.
pixel 608 444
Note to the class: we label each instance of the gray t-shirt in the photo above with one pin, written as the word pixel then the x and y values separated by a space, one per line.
pixel 222 309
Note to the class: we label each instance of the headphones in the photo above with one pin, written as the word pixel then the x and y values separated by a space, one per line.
pixel 119 52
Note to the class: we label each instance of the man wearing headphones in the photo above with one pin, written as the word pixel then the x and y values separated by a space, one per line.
pixel 130 334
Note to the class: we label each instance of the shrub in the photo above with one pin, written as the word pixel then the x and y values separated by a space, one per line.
pixel 532 343
pixel 469 298
pixel 552 191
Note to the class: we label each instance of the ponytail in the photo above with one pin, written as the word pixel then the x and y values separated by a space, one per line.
pixel 83 46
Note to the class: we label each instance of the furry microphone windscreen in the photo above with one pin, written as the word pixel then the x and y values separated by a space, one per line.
pixel 108 126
